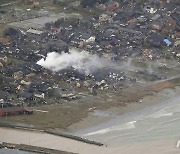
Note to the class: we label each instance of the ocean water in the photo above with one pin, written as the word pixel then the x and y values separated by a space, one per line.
pixel 157 122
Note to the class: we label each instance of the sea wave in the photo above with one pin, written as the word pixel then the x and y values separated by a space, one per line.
pixel 171 121
pixel 160 113
pixel 126 126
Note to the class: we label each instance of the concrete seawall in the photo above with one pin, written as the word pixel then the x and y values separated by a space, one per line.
pixel 32 149
pixel 32 128
pixel 47 140
pixel 74 137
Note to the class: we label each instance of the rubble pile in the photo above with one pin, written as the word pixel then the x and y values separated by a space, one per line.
pixel 146 30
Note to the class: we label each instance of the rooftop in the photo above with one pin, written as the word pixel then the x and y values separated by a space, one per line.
pixel 33 31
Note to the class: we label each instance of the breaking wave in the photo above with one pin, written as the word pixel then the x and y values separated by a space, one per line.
pixel 129 125
pixel 161 113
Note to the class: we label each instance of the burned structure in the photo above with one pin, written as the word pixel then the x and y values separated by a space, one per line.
pixel 123 30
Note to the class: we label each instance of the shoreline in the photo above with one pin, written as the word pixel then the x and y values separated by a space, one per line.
pixel 45 141
pixel 52 132
pixel 57 143
pixel 50 141
pixel 101 119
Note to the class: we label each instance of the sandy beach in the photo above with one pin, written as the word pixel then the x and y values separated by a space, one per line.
pixel 59 143
pixel 102 117
pixel 107 120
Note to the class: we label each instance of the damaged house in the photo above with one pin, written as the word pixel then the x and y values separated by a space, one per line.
pixel 35 34
pixel 112 5
pixel 155 40
pixel 58 46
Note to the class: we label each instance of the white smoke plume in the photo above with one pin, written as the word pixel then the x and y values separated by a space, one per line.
pixel 83 61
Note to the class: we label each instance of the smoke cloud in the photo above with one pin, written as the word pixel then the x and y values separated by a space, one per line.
pixel 83 61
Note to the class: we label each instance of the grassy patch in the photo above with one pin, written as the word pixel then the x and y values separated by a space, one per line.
pixel 63 115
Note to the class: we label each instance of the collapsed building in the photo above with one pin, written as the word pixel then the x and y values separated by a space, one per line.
pixel 144 31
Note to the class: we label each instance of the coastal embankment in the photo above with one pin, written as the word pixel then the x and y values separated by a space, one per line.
pixel 160 111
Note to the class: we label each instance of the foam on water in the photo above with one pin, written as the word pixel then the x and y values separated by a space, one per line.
pixel 161 113
pixel 129 125
pixel 160 122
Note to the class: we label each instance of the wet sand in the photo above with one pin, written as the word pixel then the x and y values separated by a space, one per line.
pixel 106 118
pixel 100 120
pixel 59 143
pixel 41 140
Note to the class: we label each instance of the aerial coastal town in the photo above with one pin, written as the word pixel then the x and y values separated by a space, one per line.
pixel 63 60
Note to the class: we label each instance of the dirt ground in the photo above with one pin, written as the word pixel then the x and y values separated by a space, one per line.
pixel 3 27
pixel 64 114
pixel 61 116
